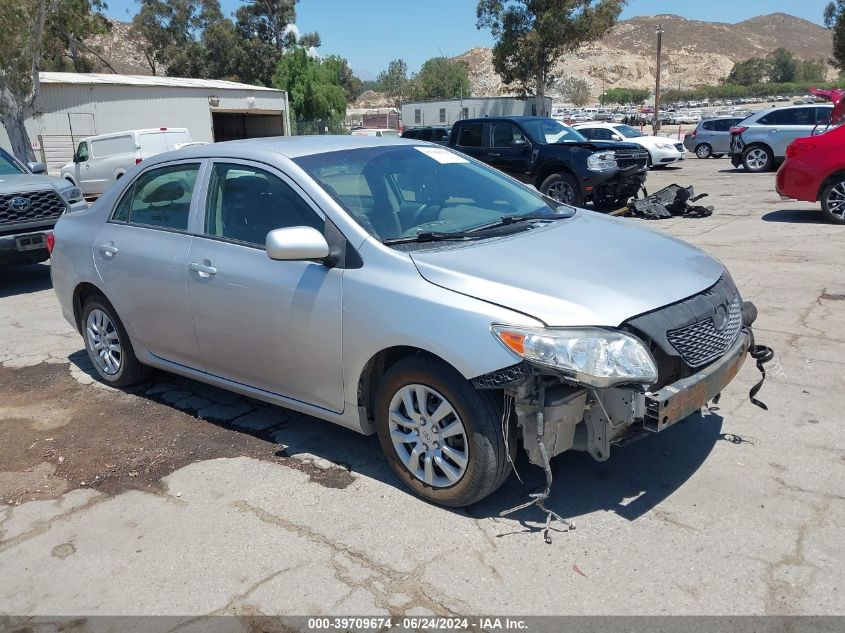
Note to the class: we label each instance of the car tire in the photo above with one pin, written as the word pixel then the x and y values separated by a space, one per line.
pixel 102 331
pixel 757 159
pixel 833 200
pixel 477 453
pixel 704 150
pixel 563 185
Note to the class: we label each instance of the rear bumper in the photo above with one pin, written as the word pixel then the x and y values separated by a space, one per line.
pixel 797 180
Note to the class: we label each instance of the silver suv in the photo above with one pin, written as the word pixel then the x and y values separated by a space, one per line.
pixel 711 137
pixel 400 288
pixel 30 204
pixel 760 141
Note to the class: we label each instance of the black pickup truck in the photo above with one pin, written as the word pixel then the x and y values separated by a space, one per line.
pixel 555 158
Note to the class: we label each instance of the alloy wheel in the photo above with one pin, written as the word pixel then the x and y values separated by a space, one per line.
pixel 835 201
pixel 104 342
pixel 428 435
pixel 703 151
pixel 562 192
pixel 756 159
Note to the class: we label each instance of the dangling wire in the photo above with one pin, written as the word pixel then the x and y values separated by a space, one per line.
pixel 506 425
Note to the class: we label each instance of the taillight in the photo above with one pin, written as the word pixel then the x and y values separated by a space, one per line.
pixel 50 241
pixel 738 129
pixel 795 148
pixel 694 132
pixel 138 160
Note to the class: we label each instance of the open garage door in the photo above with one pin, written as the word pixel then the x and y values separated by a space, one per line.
pixel 231 126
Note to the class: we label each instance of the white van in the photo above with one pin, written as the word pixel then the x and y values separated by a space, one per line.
pixel 101 160
pixel 381 133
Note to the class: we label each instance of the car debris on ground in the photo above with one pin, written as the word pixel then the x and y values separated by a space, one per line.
pixel 671 201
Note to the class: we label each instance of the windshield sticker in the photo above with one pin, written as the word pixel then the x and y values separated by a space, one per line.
pixel 442 156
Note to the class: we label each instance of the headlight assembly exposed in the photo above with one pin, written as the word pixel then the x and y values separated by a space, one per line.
pixel 664 146
pixel 71 194
pixel 601 161
pixel 593 356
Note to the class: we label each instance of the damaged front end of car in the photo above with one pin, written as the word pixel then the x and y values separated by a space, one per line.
pixel 589 389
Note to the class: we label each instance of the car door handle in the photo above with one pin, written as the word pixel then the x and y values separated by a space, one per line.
pixel 202 269
pixel 108 250
pixel 494 155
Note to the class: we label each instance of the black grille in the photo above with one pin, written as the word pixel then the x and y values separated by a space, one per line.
pixel 627 158
pixel 701 342
pixel 16 208
pixel 680 147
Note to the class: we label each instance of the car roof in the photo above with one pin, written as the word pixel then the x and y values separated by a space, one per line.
pixel 146 130
pixel 504 118
pixel 288 146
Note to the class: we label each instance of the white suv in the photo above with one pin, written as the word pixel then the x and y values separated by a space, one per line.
pixel 101 160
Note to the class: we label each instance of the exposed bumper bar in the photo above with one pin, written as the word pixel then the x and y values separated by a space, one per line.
pixel 675 402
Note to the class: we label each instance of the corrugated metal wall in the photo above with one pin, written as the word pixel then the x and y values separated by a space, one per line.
pixel 83 110
pixel 430 111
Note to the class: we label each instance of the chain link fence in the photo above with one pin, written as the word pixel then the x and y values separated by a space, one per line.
pixel 314 127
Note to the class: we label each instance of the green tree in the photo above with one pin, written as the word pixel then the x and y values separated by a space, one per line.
pixel 313 87
pixel 811 70
pixel 532 34
pixel 782 66
pixel 441 78
pixel 750 71
pixel 834 19
pixel 68 28
pixel 626 95
pixel 394 80
pixel 575 90
pixel 352 86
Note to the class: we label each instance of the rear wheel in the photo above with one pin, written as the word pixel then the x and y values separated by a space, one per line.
pixel 563 188
pixel 441 436
pixel 758 158
pixel 704 151
pixel 108 345
pixel 833 200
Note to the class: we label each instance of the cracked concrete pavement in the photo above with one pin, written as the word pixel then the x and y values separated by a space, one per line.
pixel 738 512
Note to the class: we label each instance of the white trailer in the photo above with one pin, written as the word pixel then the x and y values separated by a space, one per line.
pixel 445 112
pixel 75 105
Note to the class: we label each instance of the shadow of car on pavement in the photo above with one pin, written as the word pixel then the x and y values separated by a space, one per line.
pixel 19 280
pixel 634 480
pixel 797 216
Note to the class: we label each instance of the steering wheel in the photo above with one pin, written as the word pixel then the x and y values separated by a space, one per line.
pixel 431 198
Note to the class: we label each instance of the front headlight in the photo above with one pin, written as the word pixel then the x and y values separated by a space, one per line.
pixel 596 357
pixel 664 146
pixel 71 194
pixel 601 161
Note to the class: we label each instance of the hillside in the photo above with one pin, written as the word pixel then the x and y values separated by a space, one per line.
pixel 695 52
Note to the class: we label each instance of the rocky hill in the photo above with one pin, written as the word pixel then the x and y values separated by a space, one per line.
pixel 694 52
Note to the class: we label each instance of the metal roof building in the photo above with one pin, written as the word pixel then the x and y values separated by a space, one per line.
pixel 444 112
pixel 75 105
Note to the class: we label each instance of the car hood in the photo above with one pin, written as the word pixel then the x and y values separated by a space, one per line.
pixel 597 145
pixel 20 183
pixel 589 269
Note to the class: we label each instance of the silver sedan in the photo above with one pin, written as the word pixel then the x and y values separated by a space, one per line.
pixel 399 288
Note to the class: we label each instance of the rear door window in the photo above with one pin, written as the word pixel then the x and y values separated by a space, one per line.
pixel 823 116
pixel 472 135
pixel 160 198
pixel 112 146
pixel 506 133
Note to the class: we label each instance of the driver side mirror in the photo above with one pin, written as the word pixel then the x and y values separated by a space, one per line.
pixel 297 243
pixel 518 143
pixel 616 137
pixel 37 167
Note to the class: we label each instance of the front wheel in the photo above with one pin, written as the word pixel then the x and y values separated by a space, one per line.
pixel 563 188
pixel 441 436
pixel 833 201
pixel 108 345
pixel 758 158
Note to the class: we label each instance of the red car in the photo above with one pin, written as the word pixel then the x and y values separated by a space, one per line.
pixel 814 170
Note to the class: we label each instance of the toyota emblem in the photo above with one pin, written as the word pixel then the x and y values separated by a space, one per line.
pixel 19 204
pixel 720 319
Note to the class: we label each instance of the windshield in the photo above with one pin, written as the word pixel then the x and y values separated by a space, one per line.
pixel 402 191
pixel 628 132
pixel 551 131
pixel 9 167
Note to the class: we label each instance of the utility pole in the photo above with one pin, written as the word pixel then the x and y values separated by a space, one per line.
pixel 656 126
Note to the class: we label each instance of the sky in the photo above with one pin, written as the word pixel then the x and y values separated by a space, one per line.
pixel 369 33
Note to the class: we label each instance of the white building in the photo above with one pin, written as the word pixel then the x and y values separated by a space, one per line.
pixel 443 113
pixel 74 105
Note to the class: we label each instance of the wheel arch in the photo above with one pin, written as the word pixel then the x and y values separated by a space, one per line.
pixel 555 167
pixel 378 365
pixel 69 178
pixel 840 173
pixel 754 144
pixel 81 293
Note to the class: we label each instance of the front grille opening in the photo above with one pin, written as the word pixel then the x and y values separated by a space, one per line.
pixel 31 206
pixel 702 342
